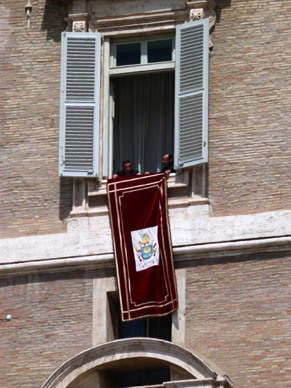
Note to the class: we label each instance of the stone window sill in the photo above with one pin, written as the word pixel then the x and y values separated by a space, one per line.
pixel 181 194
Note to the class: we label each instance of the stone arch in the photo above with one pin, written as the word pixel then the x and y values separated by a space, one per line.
pixel 95 366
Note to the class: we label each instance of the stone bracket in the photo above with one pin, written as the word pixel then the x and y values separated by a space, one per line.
pixel 78 22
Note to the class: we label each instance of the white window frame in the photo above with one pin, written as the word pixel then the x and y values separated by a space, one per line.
pixel 144 66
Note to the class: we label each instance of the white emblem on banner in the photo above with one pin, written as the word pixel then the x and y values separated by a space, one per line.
pixel 145 247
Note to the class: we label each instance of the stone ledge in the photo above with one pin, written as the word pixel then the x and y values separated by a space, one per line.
pixel 181 254
pixel 172 203
pixel 194 235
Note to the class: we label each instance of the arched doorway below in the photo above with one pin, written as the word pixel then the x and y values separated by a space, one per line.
pixel 104 365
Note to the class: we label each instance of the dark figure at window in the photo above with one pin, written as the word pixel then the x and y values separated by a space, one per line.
pixel 168 165
pixel 126 170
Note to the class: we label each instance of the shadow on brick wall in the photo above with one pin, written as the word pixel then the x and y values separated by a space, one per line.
pixel 220 5
pixel 53 19
pixel 66 196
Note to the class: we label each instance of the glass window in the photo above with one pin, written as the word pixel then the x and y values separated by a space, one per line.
pixel 143 53
pixel 128 54
pixel 160 51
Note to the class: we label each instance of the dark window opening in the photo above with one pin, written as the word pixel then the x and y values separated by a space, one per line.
pixel 142 378
pixel 160 51
pixel 128 54
pixel 143 120
pixel 154 327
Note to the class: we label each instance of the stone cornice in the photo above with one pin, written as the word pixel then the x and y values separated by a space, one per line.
pixel 125 24
pixel 189 253
pixel 195 236
pixel 143 23
pixel 165 19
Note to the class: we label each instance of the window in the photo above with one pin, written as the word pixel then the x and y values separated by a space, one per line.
pixel 142 52
pixel 142 92
pixel 157 102
pixel 153 51
pixel 152 327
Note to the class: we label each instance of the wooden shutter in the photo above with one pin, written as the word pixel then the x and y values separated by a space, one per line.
pixel 80 94
pixel 191 93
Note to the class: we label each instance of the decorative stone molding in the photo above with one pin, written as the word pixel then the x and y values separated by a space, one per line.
pixel 79 22
pixel 164 19
pixel 196 14
pixel 212 21
pixel 152 22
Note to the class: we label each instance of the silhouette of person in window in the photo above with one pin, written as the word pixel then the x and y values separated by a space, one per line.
pixel 126 170
pixel 168 164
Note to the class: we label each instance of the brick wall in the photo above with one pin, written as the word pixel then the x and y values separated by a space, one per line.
pixel 236 309
pixel 33 198
pixel 250 97
pixel 51 322
pixel 249 131
pixel 237 316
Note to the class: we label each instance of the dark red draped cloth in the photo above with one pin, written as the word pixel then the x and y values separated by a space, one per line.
pixel 142 245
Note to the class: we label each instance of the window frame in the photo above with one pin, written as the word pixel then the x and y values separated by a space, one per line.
pixel 103 141
pixel 144 65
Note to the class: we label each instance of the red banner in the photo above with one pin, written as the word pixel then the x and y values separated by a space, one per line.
pixel 142 245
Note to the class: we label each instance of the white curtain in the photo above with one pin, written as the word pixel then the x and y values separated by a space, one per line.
pixel 143 126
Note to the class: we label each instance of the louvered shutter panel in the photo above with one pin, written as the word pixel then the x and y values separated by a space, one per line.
pixel 191 93
pixel 80 95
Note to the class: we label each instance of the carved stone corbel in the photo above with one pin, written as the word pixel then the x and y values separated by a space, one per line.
pixel 212 21
pixel 79 22
pixel 196 14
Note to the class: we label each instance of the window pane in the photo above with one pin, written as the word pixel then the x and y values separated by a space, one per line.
pixel 160 51
pixel 128 54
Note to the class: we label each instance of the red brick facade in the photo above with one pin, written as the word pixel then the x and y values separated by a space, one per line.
pixel 237 316
pixel 249 121
pixel 51 321
pixel 33 198
pixel 249 150
pixel 236 306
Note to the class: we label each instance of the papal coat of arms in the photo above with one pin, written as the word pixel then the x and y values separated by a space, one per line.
pixel 145 247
